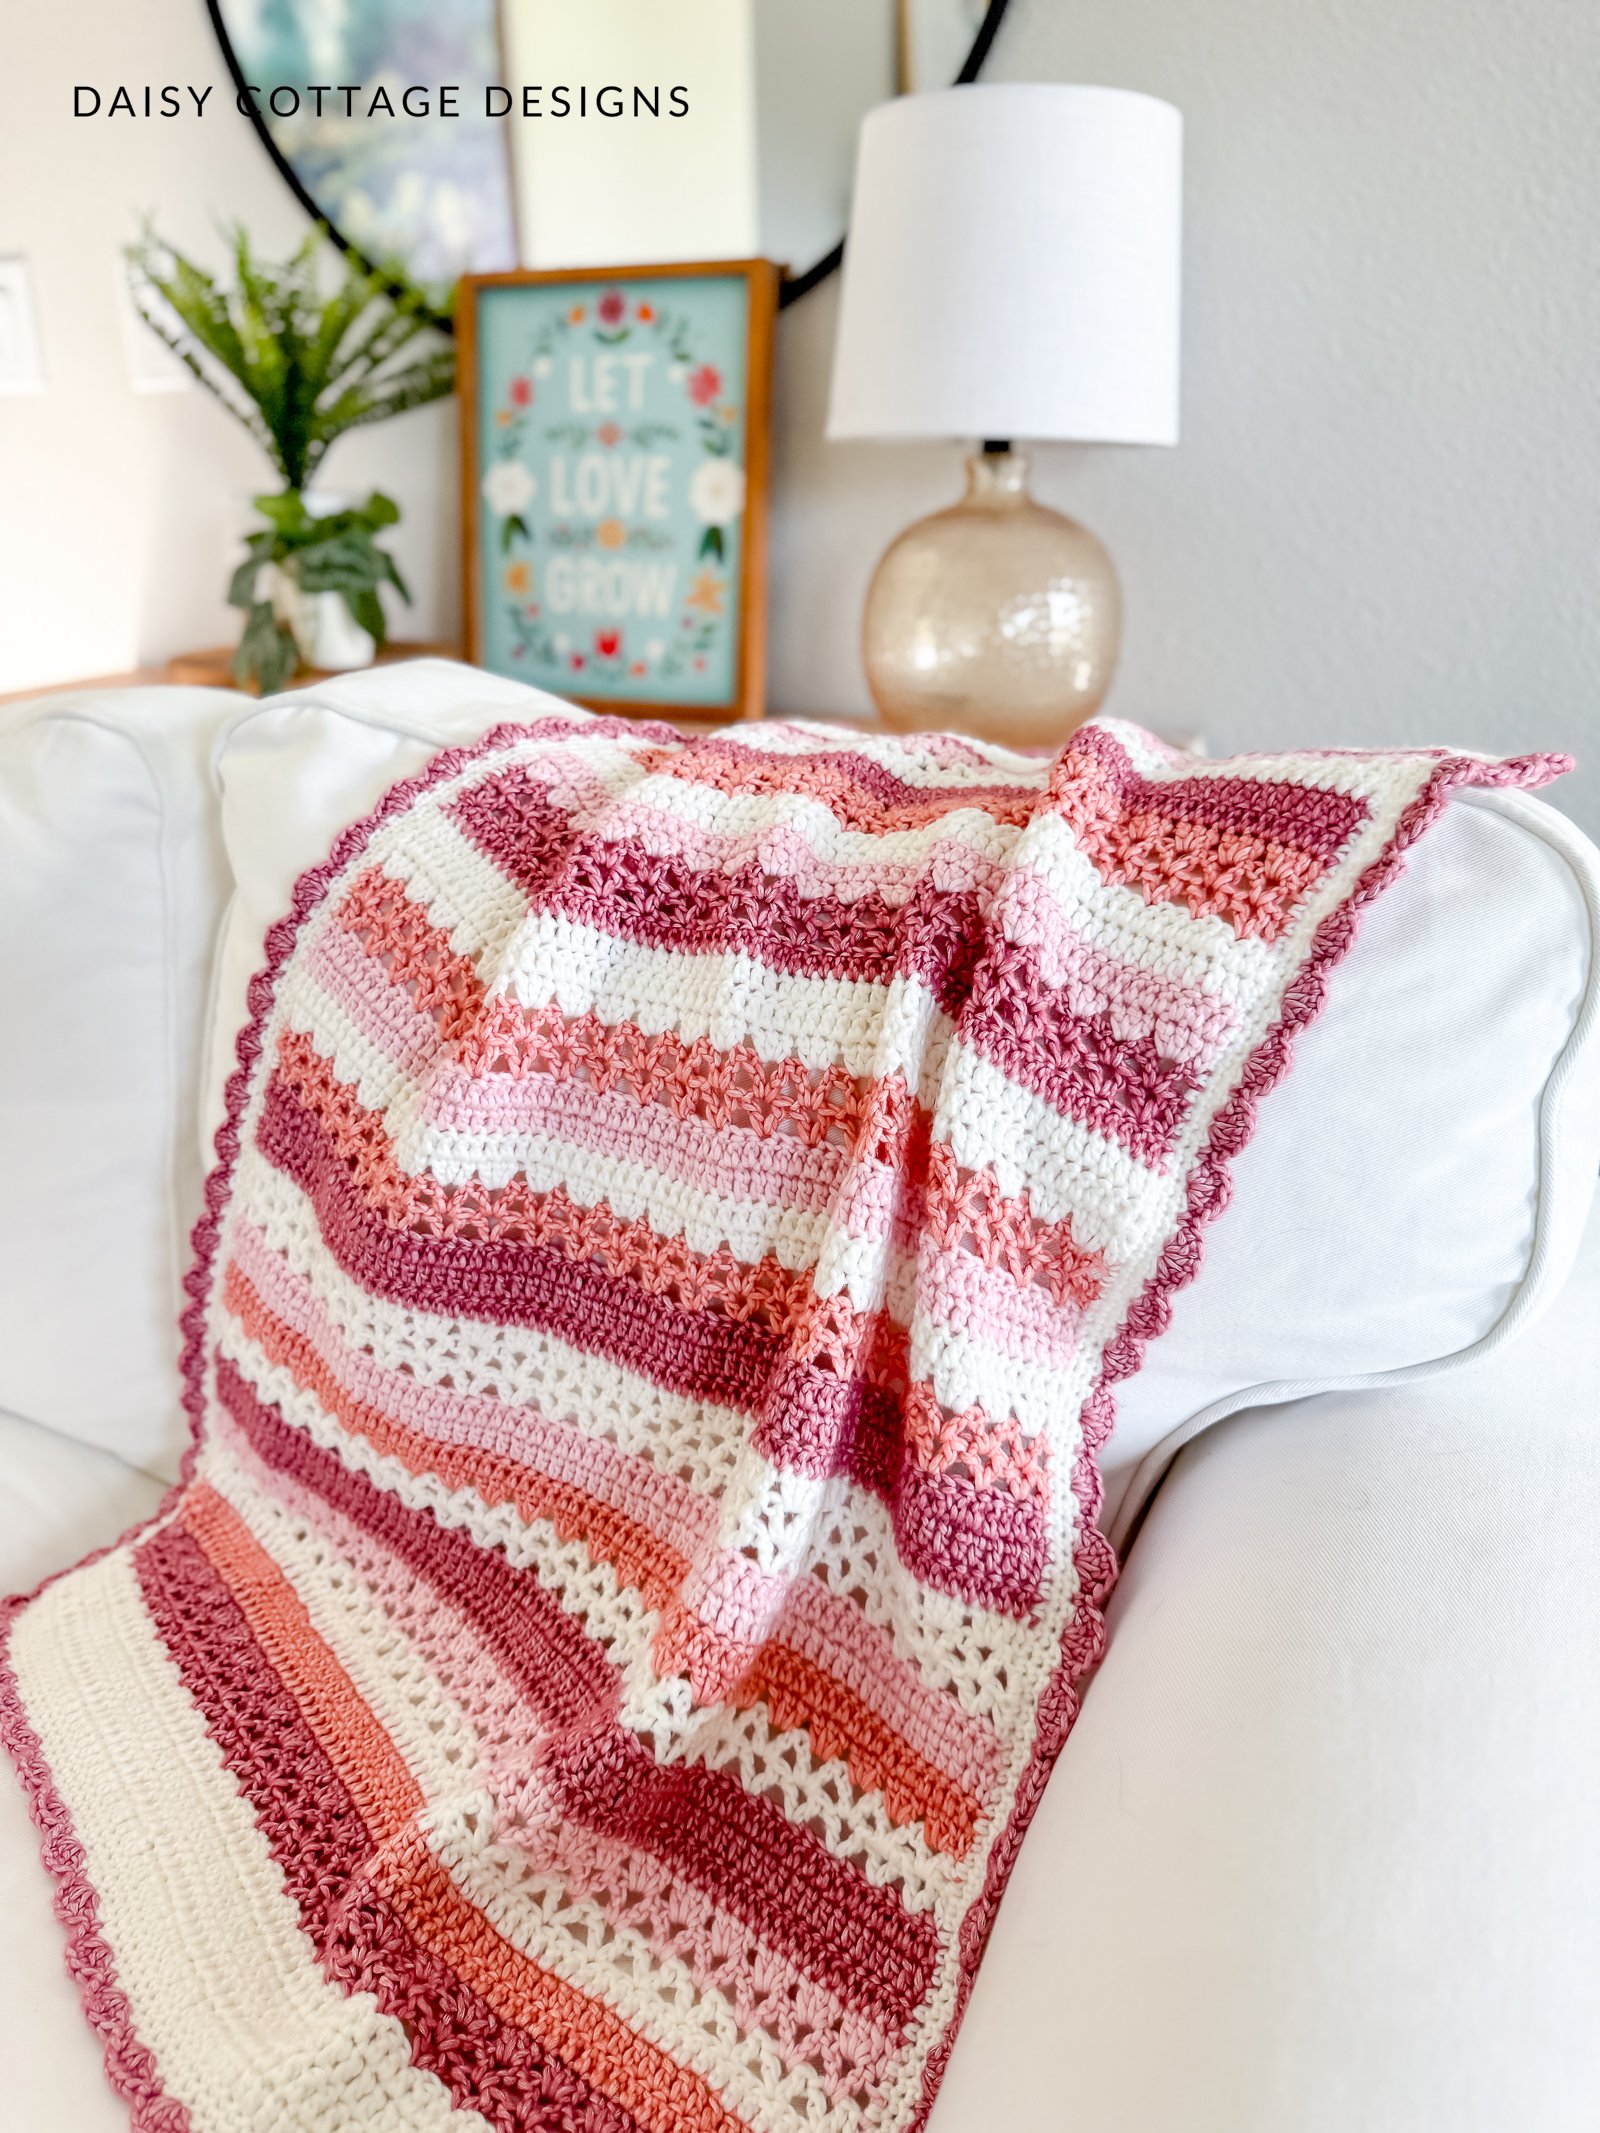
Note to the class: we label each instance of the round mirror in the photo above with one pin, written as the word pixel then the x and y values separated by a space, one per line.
pixel 409 130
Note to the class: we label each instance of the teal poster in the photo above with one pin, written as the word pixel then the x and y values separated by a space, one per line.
pixel 612 448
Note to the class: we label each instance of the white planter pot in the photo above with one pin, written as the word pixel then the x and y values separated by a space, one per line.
pixel 323 628
pixel 326 632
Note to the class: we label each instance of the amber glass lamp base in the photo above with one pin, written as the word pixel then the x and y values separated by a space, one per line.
pixel 999 617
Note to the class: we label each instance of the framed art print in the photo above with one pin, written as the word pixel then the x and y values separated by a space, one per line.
pixel 614 461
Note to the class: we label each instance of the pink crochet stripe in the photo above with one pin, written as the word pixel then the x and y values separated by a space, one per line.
pixel 485 2063
pixel 1208 1192
pixel 457 1657
pixel 517 1440
pixel 519 1444
pixel 810 1422
pixel 861 792
pixel 964 1289
pixel 1127 1092
pixel 669 1813
pixel 381 1010
pixel 806 1616
pixel 401 1928
pixel 806 2022
pixel 1312 819
pixel 1185 1021
pixel 129 2065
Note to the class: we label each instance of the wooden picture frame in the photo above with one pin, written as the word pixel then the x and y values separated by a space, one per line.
pixel 628 568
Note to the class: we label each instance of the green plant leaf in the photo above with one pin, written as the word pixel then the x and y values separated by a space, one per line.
pixel 286 514
pixel 367 609
pixel 391 573
pixel 267 654
pixel 348 563
pixel 296 367
pixel 242 585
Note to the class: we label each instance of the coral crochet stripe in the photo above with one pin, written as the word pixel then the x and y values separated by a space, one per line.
pixel 683 1211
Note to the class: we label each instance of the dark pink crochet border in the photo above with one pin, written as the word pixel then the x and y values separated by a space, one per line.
pixel 130 2066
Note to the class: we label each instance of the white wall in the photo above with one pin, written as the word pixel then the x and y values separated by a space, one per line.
pixel 1383 520
pixel 120 512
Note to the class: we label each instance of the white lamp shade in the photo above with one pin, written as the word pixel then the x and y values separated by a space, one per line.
pixel 1013 268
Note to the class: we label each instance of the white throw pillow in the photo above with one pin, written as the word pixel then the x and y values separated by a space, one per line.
pixel 1415 1187
pixel 112 882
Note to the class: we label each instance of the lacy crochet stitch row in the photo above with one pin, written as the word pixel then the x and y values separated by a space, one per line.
pixel 683 1209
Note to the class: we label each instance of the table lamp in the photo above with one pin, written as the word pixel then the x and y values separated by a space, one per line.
pixel 1012 271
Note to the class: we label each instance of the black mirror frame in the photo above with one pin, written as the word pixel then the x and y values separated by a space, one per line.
pixel 790 289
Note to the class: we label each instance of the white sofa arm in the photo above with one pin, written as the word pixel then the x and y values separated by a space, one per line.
pixel 112 886
pixel 1321 1851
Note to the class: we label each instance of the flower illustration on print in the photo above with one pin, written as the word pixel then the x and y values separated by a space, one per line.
pixel 611 533
pixel 519 577
pixel 612 308
pixel 704 384
pixel 716 491
pixel 705 593
pixel 520 392
pixel 609 434
pixel 508 487
pixel 607 644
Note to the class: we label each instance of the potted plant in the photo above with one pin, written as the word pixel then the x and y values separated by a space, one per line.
pixel 299 364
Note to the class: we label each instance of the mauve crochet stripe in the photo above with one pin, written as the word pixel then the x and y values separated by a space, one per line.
pixel 808 1419
pixel 625 1887
pixel 645 1523
pixel 566 1676
pixel 322 1848
pixel 638 1556
pixel 1308 818
pixel 579 1752
pixel 1125 1091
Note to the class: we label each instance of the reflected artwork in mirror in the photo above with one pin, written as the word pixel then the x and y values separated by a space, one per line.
pixel 351 99
pixel 396 123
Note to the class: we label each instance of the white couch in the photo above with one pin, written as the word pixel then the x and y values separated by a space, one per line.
pixel 1320 1853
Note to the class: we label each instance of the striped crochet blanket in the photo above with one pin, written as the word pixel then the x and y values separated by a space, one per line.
pixel 684 1209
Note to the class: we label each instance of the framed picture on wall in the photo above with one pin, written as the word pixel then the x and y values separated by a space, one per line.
pixel 614 456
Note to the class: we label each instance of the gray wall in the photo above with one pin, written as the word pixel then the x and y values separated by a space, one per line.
pixel 1383 522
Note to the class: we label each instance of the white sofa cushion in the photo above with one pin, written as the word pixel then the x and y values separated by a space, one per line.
pixel 112 880
pixel 1319 1856
pixel 1415 1186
